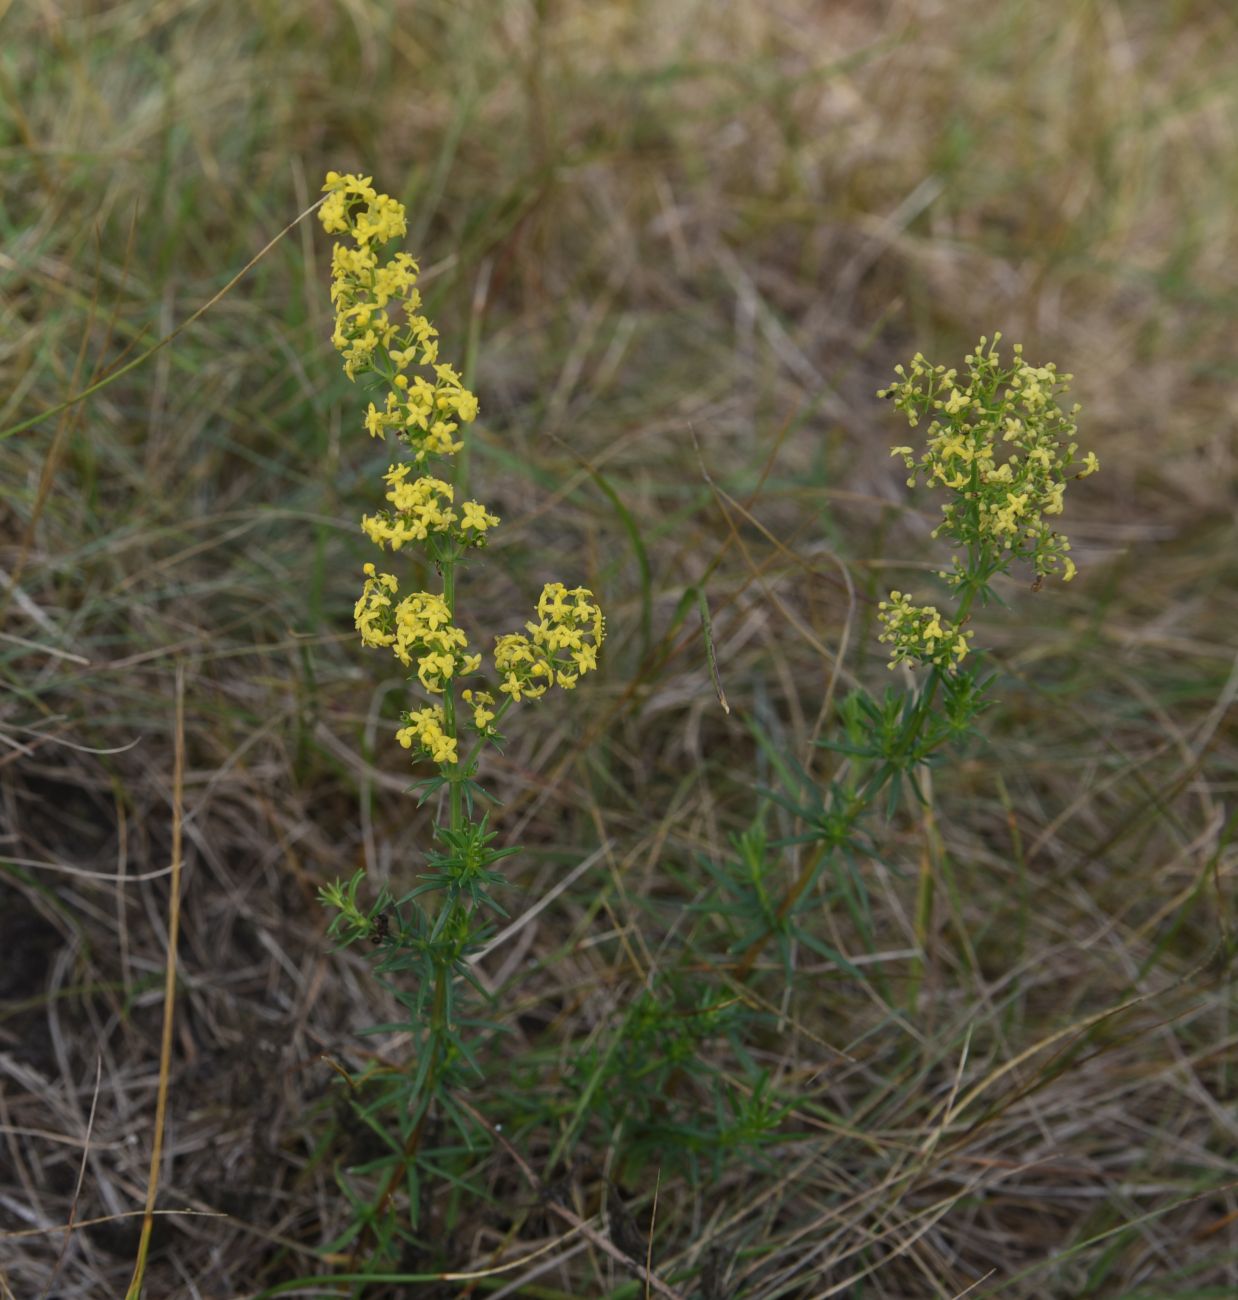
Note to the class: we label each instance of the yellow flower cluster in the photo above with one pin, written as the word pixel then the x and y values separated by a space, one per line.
pixel 560 647
pixel 417 627
pixel 1002 445
pixel 421 413
pixel 369 337
pixel 917 633
pixel 426 729
pixel 421 508
pixel 379 329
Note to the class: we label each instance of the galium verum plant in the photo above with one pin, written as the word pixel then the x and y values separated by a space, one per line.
pixel 1001 446
pixel 422 407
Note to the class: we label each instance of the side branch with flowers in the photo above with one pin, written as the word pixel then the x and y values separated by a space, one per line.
pixel 423 407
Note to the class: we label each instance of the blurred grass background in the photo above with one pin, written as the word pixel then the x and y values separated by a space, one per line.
pixel 669 241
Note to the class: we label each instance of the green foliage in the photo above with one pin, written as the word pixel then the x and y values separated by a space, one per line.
pixel 889 739
pixel 462 873
pixel 350 923
pixel 653 1083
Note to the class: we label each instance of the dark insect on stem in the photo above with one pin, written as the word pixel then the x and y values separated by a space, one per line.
pixel 379 931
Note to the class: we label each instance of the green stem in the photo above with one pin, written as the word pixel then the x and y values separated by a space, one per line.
pixel 811 862
pixel 440 1028
pixel 438 1036
pixel 925 890
pixel 927 884
pixel 481 740
pixel 455 772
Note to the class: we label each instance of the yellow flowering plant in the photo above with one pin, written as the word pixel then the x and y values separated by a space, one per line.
pixel 1001 447
pixel 423 409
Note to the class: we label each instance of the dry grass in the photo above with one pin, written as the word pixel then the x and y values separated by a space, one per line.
pixel 667 225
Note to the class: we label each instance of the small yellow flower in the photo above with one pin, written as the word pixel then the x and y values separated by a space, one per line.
pixel 957 402
pixel 362 290
pixel 561 646
pixel 477 517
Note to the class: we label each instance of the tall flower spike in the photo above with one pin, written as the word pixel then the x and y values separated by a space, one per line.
pixel 379 329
